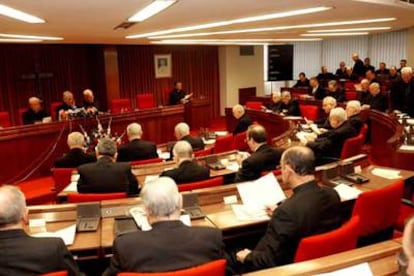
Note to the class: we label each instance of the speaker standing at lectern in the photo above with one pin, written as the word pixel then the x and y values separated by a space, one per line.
pixel 178 95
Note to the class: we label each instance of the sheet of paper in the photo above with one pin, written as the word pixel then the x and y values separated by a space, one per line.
pixel 164 155
pixel 386 173
pixel 72 187
pixel 232 166
pixel 221 133
pixel 66 234
pixel 245 212
pixel 346 192
pixel 208 141
pixel 262 192
pixel 407 147
pixel 141 220
pixel 359 269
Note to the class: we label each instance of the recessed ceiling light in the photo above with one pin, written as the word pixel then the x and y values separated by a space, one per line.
pixel 350 30
pixel 278 28
pixel 253 41
pixel 235 21
pixel 152 9
pixel 19 15
pixel 31 37
pixel 336 34
pixel 14 40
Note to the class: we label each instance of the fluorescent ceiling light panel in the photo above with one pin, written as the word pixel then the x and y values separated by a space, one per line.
pixel 265 40
pixel 152 9
pixel 350 30
pixel 235 21
pixel 36 37
pixel 19 15
pixel 206 43
pixel 280 28
pixel 13 40
pixel 336 34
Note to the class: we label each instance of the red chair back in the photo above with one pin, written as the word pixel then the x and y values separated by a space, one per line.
pixel 120 105
pixel 214 268
pixel 224 143
pixel 351 95
pixel 212 182
pixel 62 178
pixel 352 146
pixel 240 141
pixel 311 112
pixel 147 161
pixel 53 107
pixel 78 198
pixel 254 105
pixel 57 273
pixel 145 101
pixel 349 85
pixel 364 131
pixel 378 209
pixel 342 239
pixel 203 152
pixel 4 119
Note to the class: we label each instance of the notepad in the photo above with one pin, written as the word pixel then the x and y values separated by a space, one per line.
pixel 387 173
pixel 246 212
pixel 346 192
pixel 67 234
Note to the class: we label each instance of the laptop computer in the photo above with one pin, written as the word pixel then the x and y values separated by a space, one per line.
pixel 213 163
pixel 88 216
pixel 191 207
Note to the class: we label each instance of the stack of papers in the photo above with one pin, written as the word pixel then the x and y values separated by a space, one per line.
pixel 387 173
pixel 66 234
pixel 346 192
pixel 360 270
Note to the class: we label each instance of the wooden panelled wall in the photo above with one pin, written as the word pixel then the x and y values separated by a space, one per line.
pixel 77 67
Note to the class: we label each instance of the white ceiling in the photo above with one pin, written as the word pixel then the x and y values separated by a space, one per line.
pixel 93 21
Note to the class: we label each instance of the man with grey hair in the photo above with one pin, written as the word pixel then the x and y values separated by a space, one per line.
pixel 376 100
pixel 21 254
pixel 274 104
pixel 35 113
pixel 136 149
pixel 335 91
pixel 76 155
pixel 182 133
pixel 105 175
pixel 363 90
pixel 68 104
pixel 402 92
pixel 328 146
pixel 169 245
pixel 188 170
pixel 243 121
pixel 328 103
pixel 89 102
pixel 289 106
pixel 353 108
pixel 317 91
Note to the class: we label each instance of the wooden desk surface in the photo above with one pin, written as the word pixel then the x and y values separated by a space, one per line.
pixel 381 258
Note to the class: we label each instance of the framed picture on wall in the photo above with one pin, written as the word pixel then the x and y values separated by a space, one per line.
pixel 162 65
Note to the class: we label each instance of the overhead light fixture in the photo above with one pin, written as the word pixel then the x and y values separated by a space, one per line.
pixel 280 28
pixel 14 40
pixel 336 34
pixel 253 41
pixel 19 15
pixel 234 21
pixel 152 9
pixel 351 30
pixel 36 37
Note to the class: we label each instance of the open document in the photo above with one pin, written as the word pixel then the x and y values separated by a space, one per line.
pixel 67 234
pixel 346 192
pixel 141 220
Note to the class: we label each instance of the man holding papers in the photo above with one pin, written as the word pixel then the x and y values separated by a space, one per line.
pixel 310 210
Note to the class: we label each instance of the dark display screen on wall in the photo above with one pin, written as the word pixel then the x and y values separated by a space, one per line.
pixel 280 62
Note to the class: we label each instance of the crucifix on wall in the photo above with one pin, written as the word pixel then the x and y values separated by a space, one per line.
pixel 37 76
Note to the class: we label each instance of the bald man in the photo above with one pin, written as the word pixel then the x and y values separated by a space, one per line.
pixel 89 102
pixel 67 104
pixel 243 121
pixel 76 155
pixel 35 112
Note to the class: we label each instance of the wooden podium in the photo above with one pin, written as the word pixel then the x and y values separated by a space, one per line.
pixel 198 113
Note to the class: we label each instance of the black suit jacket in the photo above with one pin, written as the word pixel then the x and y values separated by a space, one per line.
pixel 74 158
pixel 265 158
pixel 402 96
pixel 300 84
pixel 309 211
pixel 359 68
pixel 329 144
pixel 105 176
pixel 23 255
pixel 292 108
pixel 176 96
pixel 356 122
pixel 242 124
pixel 64 107
pixel 188 171
pixel 170 245
pixel 319 93
pixel 339 95
pixel 30 117
pixel 137 150
pixel 275 107
pixel 378 102
pixel 195 142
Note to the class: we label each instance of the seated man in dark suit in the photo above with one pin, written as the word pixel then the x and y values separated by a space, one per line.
pixel 382 70
pixel 169 245
pixel 289 106
pixel 353 108
pixel 402 92
pixel 376 100
pixel 328 146
pixel 263 158
pixel 341 71
pixel 76 155
pixel 243 121
pixel 22 254
pixel 89 102
pixel 316 90
pixel 275 101
pixel 335 91
pixel 68 104
pixel 182 133
pixel 106 176
pixel 324 76
pixel 188 170
pixel 328 104
pixel 311 210
pixel 136 149
pixel 302 82
pixel 363 91
pixel 35 112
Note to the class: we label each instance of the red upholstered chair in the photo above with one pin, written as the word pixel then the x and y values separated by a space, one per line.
pixel 406 211
pixel 118 105
pixel 214 268
pixel 203 152
pixel 57 273
pixel 349 85
pixel 4 119
pixel 61 177
pixel 145 101
pixel 21 111
pixel 224 143
pixel 351 95
pixel 309 111
pixel 254 105
pixel 212 182
pixel 364 131
pixel 352 146
pixel 240 142
pixel 147 161
pixel 77 198
pixel 378 212
pixel 342 239
pixel 53 107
